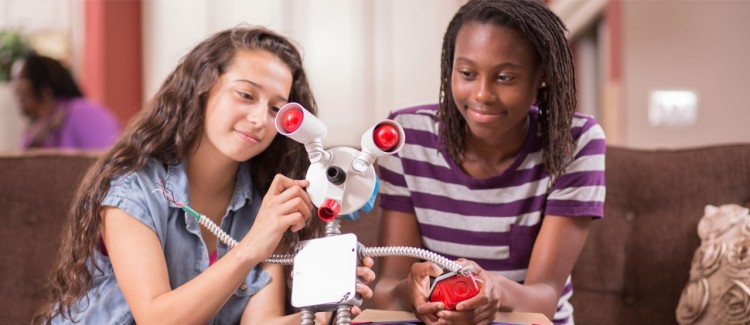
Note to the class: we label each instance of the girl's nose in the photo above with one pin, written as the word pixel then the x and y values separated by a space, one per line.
pixel 483 91
pixel 257 114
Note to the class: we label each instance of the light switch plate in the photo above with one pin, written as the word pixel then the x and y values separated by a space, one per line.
pixel 673 108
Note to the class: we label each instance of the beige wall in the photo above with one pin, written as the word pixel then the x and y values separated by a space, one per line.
pixel 699 45
pixel 368 57
pixel 38 19
pixel 364 58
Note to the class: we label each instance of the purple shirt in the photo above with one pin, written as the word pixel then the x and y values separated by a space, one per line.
pixel 74 123
pixel 493 221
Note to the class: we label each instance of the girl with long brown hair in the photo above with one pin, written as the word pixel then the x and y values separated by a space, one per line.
pixel 130 254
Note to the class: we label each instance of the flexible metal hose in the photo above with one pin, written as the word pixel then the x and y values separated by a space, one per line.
pixel 414 252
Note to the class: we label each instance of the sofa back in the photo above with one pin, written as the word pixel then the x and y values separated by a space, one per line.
pixel 631 270
pixel 637 259
pixel 35 191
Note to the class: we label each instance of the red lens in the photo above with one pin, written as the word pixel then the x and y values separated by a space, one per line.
pixel 385 136
pixel 292 120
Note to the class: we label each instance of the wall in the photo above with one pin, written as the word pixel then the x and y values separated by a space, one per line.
pixel 364 58
pixel 367 57
pixel 699 45
pixel 35 17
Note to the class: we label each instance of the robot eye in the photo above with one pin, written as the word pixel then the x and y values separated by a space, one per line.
pixel 292 120
pixel 385 137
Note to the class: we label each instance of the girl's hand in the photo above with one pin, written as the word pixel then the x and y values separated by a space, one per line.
pixel 365 276
pixel 417 288
pixel 285 206
pixel 479 309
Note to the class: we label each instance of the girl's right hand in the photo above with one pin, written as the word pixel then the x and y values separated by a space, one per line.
pixel 285 206
pixel 417 288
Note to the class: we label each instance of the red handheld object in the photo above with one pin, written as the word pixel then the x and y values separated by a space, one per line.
pixel 451 288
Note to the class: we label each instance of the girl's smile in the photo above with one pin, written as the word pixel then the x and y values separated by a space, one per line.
pixel 247 137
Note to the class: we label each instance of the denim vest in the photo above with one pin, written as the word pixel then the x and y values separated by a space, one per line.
pixel 180 235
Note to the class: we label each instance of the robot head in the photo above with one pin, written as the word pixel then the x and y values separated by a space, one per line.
pixel 342 179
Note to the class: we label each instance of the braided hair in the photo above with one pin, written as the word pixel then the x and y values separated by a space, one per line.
pixel 546 33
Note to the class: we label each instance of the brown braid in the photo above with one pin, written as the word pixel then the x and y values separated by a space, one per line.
pixel 557 102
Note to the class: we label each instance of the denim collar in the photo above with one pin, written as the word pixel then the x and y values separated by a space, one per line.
pixel 177 183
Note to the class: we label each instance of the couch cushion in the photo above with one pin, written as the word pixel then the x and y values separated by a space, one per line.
pixel 34 196
pixel 636 260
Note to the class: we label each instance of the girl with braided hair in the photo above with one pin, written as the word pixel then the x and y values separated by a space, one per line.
pixel 130 253
pixel 502 175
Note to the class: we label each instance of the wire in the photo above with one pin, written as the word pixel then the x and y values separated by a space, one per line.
pixel 418 253
pixel 204 221
pixel 167 193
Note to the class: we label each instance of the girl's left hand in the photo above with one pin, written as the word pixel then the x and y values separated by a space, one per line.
pixel 366 276
pixel 480 309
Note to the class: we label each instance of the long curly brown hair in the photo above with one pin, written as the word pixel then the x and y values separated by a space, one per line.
pixel 556 101
pixel 167 129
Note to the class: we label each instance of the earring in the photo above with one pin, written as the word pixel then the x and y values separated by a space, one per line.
pixel 544 84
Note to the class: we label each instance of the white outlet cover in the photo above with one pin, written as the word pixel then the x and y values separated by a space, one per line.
pixel 673 108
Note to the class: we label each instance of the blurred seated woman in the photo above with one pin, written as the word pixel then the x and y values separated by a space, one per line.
pixel 59 115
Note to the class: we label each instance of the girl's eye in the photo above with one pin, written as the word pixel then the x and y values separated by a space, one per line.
pixel 466 74
pixel 245 95
pixel 504 78
pixel 274 109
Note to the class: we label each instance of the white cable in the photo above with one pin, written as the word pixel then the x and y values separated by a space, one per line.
pixel 229 241
pixel 418 253
pixel 414 252
pixel 216 230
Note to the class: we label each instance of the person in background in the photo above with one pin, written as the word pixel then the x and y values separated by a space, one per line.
pixel 131 254
pixel 501 175
pixel 59 114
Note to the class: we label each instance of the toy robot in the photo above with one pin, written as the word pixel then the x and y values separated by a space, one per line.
pixel 343 183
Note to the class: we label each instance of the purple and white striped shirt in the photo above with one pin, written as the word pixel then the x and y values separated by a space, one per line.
pixel 492 221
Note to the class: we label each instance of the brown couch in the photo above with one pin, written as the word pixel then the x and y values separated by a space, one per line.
pixel 632 269
pixel 636 261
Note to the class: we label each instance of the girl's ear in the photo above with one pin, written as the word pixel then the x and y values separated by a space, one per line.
pixel 541 76
pixel 541 84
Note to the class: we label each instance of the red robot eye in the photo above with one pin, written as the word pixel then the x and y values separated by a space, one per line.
pixel 292 120
pixel 385 137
